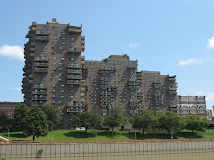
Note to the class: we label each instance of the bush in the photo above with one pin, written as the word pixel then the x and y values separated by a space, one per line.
pixel 40 151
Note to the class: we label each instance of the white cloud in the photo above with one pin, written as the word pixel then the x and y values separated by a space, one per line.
pixel 133 45
pixel 14 52
pixel 16 89
pixel 198 93
pixel 210 44
pixel 192 61
pixel 210 96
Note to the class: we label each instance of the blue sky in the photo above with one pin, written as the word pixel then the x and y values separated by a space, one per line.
pixel 174 37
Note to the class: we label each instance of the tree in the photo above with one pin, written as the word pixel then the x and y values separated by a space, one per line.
pixel 53 115
pixel 36 123
pixel 170 121
pixel 196 123
pixel 3 120
pixel 143 120
pixel 115 118
pixel 87 119
pixel 20 115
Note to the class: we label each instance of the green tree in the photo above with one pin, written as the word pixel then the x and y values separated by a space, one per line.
pixel 4 121
pixel 170 122
pixel 143 120
pixel 87 119
pixel 115 118
pixel 20 115
pixel 36 123
pixel 196 123
pixel 53 115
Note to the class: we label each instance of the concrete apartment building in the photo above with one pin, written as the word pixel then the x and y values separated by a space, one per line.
pixel 192 105
pixel 8 108
pixel 56 73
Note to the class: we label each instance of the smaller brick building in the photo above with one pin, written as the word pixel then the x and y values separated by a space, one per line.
pixel 8 108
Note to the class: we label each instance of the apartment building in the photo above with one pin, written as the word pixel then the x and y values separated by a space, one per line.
pixel 8 108
pixel 53 67
pixel 56 73
pixel 192 105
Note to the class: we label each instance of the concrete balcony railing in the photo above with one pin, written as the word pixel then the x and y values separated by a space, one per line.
pixel 40 92
pixel 39 98
pixel 70 110
pixel 132 66
pixel 45 59
pixel 74 71
pixel 107 68
pixel 74 50
pixel 75 30
pixel 42 38
pixel 40 70
pixel 40 64
pixel 42 32
pixel 74 66
pixel 74 82
pixel 73 104
pixel 74 77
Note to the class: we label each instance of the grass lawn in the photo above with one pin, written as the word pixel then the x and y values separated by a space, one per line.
pixel 72 135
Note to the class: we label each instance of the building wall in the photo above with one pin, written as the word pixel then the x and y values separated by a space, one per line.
pixel 8 108
pixel 192 105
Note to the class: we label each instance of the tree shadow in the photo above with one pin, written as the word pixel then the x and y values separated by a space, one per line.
pixel 15 135
pixel 141 136
pixel 80 134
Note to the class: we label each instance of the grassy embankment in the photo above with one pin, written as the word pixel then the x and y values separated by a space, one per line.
pixel 71 135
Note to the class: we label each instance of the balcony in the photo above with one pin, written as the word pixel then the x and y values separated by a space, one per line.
pixel 42 38
pixel 30 81
pixel 157 81
pixel 75 30
pixel 74 66
pixel 173 92
pixel 82 62
pixel 40 64
pixel 82 94
pixel 132 79
pixel 172 89
pixel 107 68
pixel 39 98
pixel 82 48
pixel 30 76
pixel 40 92
pixel 42 59
pixel 74 109
pixel 74 77
pixel 82 41
pixel 40 70
pixel 73 104
pixel 104 82
pixel 105 100
pixel 40 86
pixel 133 84
pixel 74 71
pixel 42 33
pixel 82 58
pixel 132 66
pixel 74 82
pixel 133 87
pixel 32 49
pixel 74 50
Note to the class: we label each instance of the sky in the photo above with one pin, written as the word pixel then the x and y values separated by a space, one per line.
pixel 173 37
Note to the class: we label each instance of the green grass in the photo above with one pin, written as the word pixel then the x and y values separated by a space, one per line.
pixel 72 135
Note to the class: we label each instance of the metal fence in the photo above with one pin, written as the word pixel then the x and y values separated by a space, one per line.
pixel 149 148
